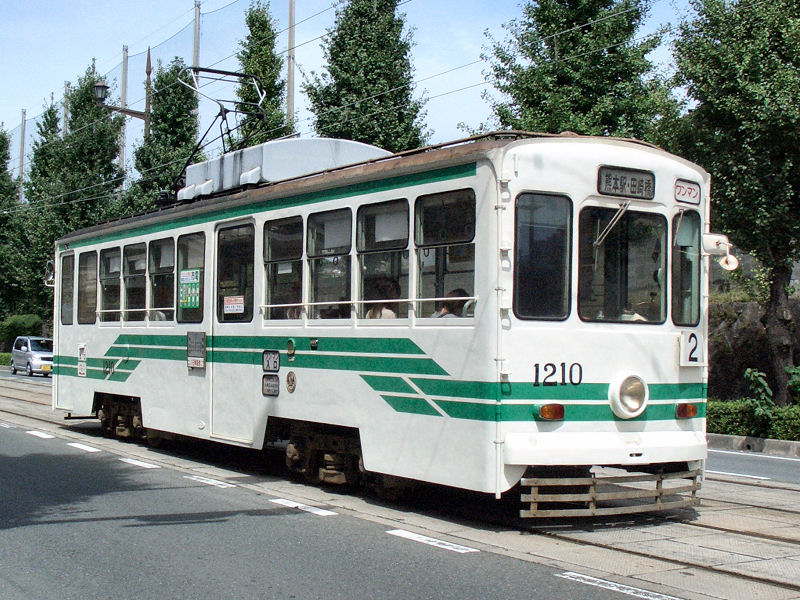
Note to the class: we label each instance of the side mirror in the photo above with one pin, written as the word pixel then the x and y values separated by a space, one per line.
pixel 717 244
pixel 50 274
pixel 23 349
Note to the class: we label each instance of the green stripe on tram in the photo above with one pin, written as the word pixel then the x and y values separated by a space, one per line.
pixel 182 220
pixel 419 382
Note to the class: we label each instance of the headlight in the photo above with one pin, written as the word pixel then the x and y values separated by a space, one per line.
pixel 628 396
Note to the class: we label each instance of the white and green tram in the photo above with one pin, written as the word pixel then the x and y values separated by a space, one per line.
pixel 508 310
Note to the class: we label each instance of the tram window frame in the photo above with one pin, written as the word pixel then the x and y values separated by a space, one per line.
pixel 283 256
pixel 110 284
pixel 235 273
pixel 615 304
pixel 135 281
pixel 326 259
pixel 382 244
pixel 87 288
pixel 191 277
pixel 161 276
pixel 67 291
pixel 449 249
pixel 679 267
pixel 544 295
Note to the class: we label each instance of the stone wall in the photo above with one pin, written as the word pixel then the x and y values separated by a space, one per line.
pixel 737 340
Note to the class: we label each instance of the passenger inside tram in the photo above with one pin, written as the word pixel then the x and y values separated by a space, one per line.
pixel 387 291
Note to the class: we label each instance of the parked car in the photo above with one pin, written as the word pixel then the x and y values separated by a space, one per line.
pixel 32 354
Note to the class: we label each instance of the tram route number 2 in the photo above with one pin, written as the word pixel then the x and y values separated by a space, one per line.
pixel 557 374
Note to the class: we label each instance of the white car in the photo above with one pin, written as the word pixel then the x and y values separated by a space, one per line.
pixel 33 354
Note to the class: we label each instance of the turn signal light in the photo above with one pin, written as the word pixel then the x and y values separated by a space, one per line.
pixel 686 411
pixel 552 412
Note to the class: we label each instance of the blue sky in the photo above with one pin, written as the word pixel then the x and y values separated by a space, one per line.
pixel 44 43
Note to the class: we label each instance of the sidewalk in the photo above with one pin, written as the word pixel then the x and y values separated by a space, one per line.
pixel 742 443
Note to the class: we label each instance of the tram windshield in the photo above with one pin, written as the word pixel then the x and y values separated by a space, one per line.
pixel 622 266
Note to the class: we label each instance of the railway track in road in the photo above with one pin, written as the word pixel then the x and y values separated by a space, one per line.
pixel 32 389
pixel 746 533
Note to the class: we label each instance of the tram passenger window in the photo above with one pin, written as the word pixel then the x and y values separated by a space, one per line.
pixel 134 263
pixel 161 267
pixel 191 277
pixel 686 268
pixel 87 288
pixel 283 265
pixel 235 265
pixel 444 229
pixel 622 260
pixel 67 288
pixel 382 243
pixel 109 284
pixel 542 256
pixel 329 243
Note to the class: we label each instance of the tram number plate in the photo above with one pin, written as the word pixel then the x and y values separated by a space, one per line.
pixel 270 385
pixel 271 361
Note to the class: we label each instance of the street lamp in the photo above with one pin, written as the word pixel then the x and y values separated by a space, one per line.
pixel 101 93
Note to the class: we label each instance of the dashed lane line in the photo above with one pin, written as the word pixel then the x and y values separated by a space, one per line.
pixel 209 481
pixel 321 512
pixel 615 587
pixel 40 434
pixel 84 447
pixel 424 539
pixel 139 463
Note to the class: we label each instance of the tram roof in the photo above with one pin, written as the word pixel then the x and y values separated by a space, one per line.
pixel 437 156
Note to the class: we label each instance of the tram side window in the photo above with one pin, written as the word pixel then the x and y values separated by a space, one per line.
pixel 542 256
pixel 444 230
pixel 191 273
pixel 87 288
pixel 382 243
pixel 235 265
pixel 67 288
pixel 134 263
pixel 161 266
pixel 329 242
pixel 283 265
pixel 622 259
pixel 686 268
pixel 109 284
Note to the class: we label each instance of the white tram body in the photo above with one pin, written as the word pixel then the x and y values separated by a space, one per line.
pixel 241 314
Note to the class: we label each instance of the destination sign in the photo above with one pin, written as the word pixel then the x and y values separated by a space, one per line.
pixel 628 183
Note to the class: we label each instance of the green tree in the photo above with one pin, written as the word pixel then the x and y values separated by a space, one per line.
pixel 574 65
pixel 257 56
pixel 740 64
pixel 173 136
pixel 90 174
pixel 366 94
pixel 9 209
pixel 41 223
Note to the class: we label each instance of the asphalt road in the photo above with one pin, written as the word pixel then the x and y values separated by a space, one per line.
pixel 80 522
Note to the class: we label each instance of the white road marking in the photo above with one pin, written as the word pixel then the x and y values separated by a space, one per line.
pixel 321 512
pixel 7 426
pixel 738 475
pixel 138 463
pixel 208 481
pixel 416 537
pixel 40 434
pixel 755 455
pixel 84 447
pixel 615 587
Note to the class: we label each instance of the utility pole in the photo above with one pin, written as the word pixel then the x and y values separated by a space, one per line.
pixel 290 66
pixel 21 154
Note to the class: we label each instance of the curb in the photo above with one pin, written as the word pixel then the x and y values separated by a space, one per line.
pixel 743 443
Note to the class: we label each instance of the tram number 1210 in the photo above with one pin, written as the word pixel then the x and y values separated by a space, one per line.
pixel 553 374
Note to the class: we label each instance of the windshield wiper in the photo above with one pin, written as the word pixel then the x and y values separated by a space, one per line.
pixel 611 224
